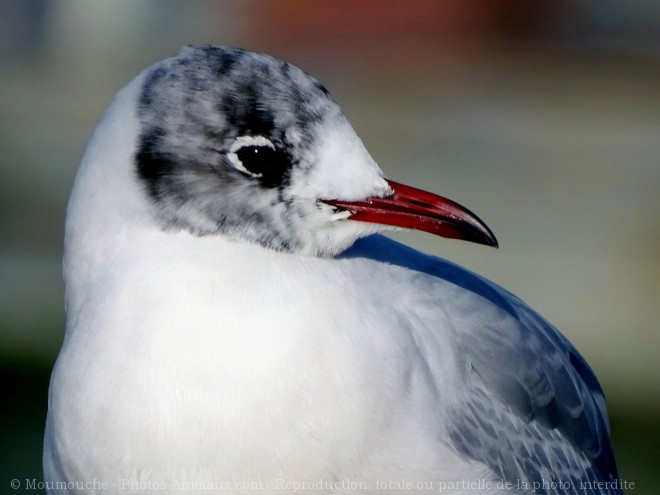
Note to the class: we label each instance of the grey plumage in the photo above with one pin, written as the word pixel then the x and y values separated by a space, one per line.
pixel 189 123
pixel 534 411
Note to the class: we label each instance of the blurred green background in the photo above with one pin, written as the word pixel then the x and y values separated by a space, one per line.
pixel 541 116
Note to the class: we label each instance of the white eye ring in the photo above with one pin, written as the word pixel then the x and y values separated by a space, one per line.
pixel 242 142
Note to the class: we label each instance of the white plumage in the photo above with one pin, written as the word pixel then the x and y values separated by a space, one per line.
pixel 222 330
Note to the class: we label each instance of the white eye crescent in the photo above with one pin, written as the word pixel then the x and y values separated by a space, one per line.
pixel 242 142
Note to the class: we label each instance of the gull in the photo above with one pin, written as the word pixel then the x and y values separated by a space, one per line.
pixel 236 322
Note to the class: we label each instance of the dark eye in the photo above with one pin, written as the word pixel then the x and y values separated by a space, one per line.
pixel 263 162
pixel 257 160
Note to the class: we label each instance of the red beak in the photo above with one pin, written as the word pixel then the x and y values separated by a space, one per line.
pixel 412 208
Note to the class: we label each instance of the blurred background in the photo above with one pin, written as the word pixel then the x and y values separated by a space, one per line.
pixel 541 116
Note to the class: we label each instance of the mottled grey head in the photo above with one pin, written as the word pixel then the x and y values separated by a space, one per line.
pixel 244 145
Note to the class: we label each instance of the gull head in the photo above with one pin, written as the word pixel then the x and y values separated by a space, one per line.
pixel 232 143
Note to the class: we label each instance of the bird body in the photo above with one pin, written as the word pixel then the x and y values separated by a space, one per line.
pixel 280 400
pixel 229 323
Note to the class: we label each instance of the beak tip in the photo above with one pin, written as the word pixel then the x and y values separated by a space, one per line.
pixel 487 239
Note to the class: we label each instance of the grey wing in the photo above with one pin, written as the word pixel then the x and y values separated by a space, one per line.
pixel 532 410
